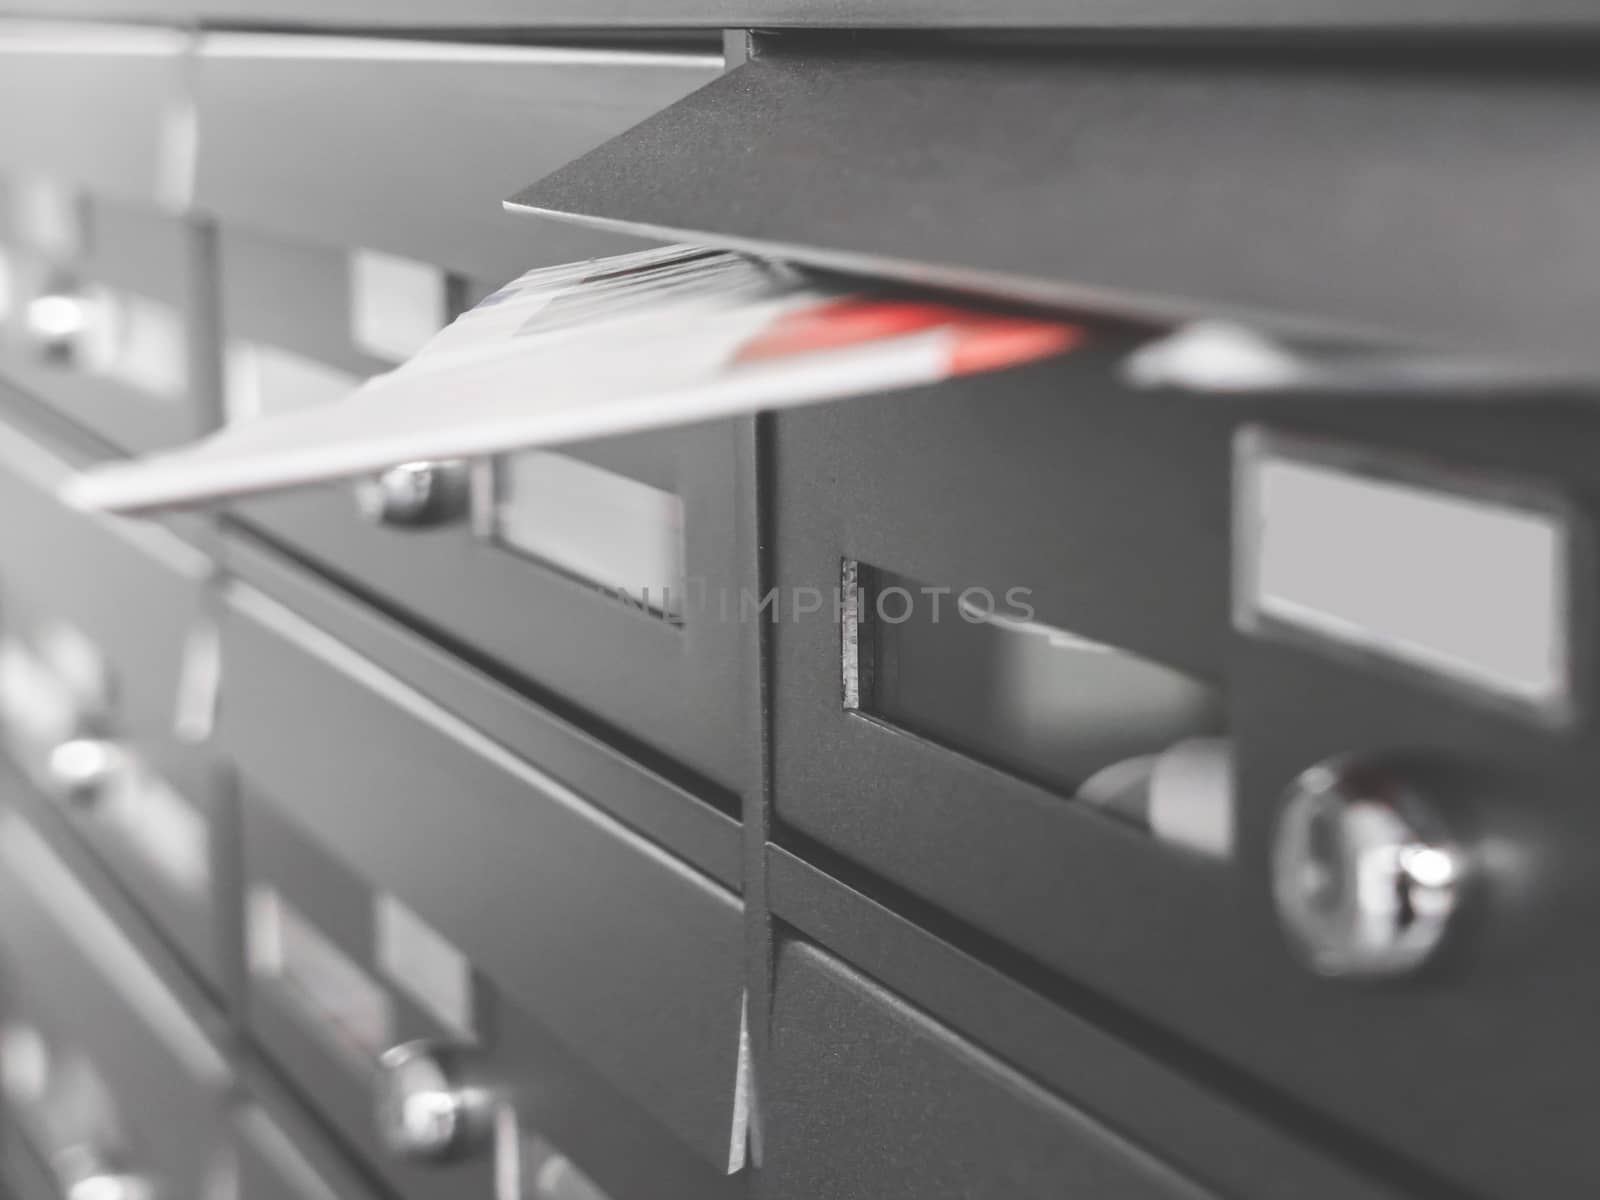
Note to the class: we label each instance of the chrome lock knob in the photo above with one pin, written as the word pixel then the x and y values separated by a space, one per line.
pixel 416 494
pixel 1364 877
pixel 57 321
pixel 80 771
pixel 85 1174
pixel 109 1185
pixel 428 1108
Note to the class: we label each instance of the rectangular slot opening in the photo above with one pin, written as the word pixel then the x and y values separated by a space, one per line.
pixel 975 672
pixel 264 381
pixel 426 965
pixel 133 340
pixel 329 990
pixel 600 527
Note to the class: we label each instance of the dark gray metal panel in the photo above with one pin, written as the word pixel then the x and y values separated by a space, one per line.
pixel 141 249
pixel 282 1147
pixel 557 1095
pixel 137 594
pixel 75 975
pixel 124 416
pixel 1053 478
pixel 1050 479
pixel 674 690
pixel 1409 199
pixel 677 819
pixel 1113 911
pixel 199 927
pixel 628 957
pixel 21 410
pixel 298 136
pixel 176 975
pixel 131 249
pixel 69 442
pixel 25 1177
pixel 98 106
pixel 1485 1080
pixel 338 905
pixel 276 1164
pixel 670 693
pixel 294 296
pixel 869 1099
pixel 1099 1064
pixel 60 561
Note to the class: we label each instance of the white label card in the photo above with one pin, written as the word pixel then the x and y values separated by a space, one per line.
pixel 264 381
pixel 593 523
pixel 427 967
pixel 137 341
pixel 1469 587
pixel 396 304
pixel 329 989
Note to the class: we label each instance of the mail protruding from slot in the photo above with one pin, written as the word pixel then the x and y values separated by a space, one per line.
pixel 658 338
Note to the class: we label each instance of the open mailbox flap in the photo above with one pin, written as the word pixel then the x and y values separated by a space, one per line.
pixel 1415 199
pixel 608 346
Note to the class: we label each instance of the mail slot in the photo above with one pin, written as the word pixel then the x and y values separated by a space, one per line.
pixel 345 979
pixel 1163 668
pixel 108 715
pixel 292 318
pixel 110 1078
pixel 107 324
pixel 618 1050
pixel 591 573
pixel 580 576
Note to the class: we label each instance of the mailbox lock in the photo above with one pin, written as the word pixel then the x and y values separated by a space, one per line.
pixel 428 1108
pixel 416 494
pixel 57 321
pixel 1365 878
pixel 86 1174
pixel 79 771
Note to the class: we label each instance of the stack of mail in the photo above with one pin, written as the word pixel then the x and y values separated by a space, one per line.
pixel 641 341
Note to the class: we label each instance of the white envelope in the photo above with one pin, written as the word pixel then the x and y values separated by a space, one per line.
pixel 641 341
